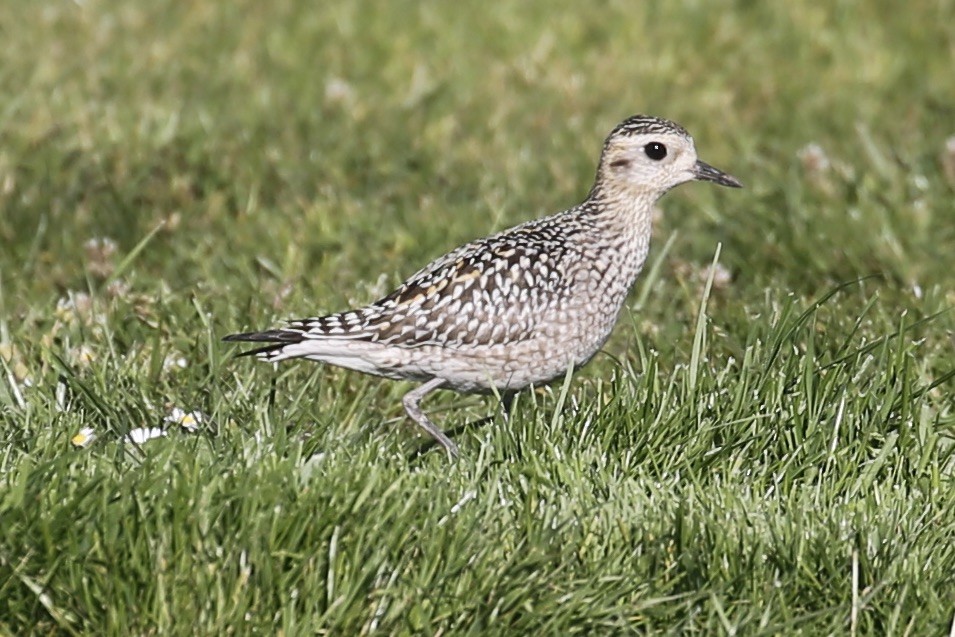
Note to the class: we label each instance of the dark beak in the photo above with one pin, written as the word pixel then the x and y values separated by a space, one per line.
pixel 705 172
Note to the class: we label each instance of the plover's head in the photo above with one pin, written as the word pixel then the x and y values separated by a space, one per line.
pixel 647 156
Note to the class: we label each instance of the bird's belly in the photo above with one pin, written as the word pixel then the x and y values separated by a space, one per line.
pixel 567 336
pixel 511 366
pixel 494 367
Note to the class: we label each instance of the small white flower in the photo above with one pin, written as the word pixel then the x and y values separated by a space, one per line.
pixel 338 91
pixel 117 288
pixel 83 438
pixel 174 361
pixel 188 420
pixel 82 356
pixel 73 307
pixel 814 159
pixel 722 277
pixel 139 435
pixel 103 245
pixel 99 256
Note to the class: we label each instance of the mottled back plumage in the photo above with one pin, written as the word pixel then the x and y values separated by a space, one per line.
pixel 519 307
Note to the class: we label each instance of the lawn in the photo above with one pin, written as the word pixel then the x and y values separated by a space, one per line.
pixel 767 445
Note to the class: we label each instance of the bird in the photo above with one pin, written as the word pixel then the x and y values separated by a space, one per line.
pixel 518 308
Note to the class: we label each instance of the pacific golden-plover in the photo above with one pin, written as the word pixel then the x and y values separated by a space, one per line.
pixel 518 308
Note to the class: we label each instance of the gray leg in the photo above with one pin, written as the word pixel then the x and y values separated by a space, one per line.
pixel 507 401
pixel 412 401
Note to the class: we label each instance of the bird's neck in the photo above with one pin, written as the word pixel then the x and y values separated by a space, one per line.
pixel 617 240
pixel 621 222
pixel 625 212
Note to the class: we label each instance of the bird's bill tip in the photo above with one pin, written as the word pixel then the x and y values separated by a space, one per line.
pixel 705 172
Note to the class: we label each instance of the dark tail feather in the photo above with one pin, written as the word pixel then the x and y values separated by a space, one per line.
pixel 277 338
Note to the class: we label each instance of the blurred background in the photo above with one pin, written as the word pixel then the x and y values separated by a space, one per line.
pixel 350 139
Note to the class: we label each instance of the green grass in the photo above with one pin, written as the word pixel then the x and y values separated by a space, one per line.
pixel 770 454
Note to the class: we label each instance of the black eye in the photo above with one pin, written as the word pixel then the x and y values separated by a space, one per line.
pixel 655 151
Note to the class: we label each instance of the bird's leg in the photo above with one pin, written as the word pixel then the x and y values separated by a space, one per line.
pixel 507 401
pixel 412 402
